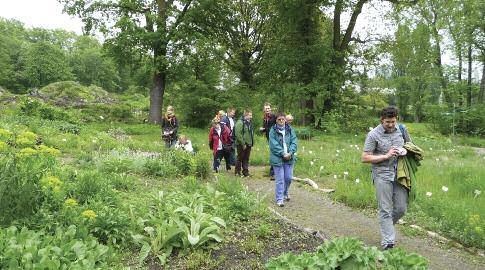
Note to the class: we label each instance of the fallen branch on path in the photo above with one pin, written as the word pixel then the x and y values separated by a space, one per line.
pixel 317 234
pixel 445 240
pixel 313 184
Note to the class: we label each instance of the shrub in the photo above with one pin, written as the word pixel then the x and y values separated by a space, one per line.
pixel 88 185
pixel 201 165
pixel 21 189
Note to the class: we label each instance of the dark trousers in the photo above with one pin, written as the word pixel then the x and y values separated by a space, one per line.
pixel 243 160
pixel 218 159
pixel 232 158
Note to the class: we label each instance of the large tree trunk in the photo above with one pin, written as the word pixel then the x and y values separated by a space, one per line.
pixel 156 97
pixel 460 64
pixel 246 74
pixel 481 94
pixel 437 39
pixel 469 86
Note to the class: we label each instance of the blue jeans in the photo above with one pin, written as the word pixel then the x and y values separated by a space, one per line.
pixel 283 176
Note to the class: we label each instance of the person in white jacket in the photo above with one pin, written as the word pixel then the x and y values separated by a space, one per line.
pixel 185 144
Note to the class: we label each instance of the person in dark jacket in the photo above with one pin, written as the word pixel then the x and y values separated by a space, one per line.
pixel 220 142
pixel 228 120
pixel 269 120
pixel 282 146
pixel 244 142
pixel 170 126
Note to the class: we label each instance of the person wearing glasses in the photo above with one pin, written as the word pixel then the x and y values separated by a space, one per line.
pixel 169 128
pixel 282 145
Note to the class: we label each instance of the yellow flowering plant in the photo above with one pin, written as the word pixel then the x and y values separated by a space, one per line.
pixel 70 202
pixel 51 183
pixel 25 139
pixel 3 146
pixel 26 152
pixel 90 214
pixel 5 134
pixel 43 149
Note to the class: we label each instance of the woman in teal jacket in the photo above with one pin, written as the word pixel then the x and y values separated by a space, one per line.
pixel 282 146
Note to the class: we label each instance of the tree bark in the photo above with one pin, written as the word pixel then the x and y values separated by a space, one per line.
pixel 156 97
pixel 469 86
pixel 481 94
pixel 460 63
pixel 159 61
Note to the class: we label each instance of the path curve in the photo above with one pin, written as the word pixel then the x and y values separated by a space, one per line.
pixel 316 211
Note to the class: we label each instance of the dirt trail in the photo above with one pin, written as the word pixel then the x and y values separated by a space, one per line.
pixel 314 210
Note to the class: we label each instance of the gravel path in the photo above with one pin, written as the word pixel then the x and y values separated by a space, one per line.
pixel 315 210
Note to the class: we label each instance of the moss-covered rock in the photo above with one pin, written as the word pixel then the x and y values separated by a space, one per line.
pixel 70 93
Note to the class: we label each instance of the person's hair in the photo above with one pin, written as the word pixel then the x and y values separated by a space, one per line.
pixel 389 112
pixel 230 109
pixel 216 120
pixel 289 116
pixel 221 112
pixel 182 137
pixel 267 104
pixel 281 114
pixel 247 111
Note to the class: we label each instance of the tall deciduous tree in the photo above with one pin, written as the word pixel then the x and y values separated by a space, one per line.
pixel 238 26
pixel 342 39
pixel 145 26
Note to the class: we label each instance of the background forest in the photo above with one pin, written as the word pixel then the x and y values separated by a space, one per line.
pixel 303 56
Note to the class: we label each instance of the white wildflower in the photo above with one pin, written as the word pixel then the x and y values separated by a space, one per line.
pixel 321 167
pixel 357 180
pixel 445 189
pixel 346 173
pixel 338 151
pixel 101 117
pixel 437 159
pixel 310 152
pixel 429 194
pixel 334 176
pixel 311 163
pixel 64 140
pixel 477 192
pixel 336 155
pixel 370 128
pixel 430 149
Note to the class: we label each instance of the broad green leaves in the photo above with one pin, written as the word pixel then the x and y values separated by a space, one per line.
pixel 348 254
pixel 180 220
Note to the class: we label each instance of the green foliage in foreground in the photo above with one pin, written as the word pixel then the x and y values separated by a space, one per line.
pixel 65 249
pixel 348 254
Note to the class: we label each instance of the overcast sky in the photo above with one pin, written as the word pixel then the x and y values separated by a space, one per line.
pixel 39 13
pixel 48 14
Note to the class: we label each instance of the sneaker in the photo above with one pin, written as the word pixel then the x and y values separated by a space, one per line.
pixel 287 198
pixel 388 246
pixel 280 204
pixel 238 175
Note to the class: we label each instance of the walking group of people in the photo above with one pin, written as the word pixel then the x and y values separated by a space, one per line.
pixel 233 141
pixel 384 148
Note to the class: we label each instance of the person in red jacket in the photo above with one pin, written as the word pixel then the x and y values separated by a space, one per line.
pixel 220 142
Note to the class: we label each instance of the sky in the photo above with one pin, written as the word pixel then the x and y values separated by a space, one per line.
pixel 48 14
pixel 40 13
